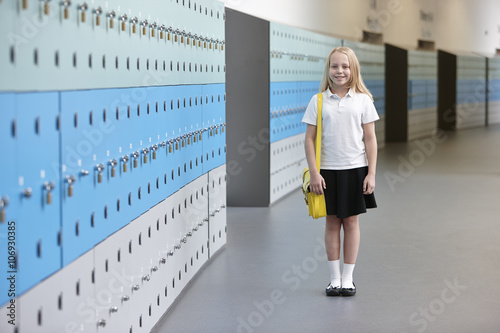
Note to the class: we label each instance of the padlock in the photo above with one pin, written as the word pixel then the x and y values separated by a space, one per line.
pixel 154 148
pixel 136 156
pixel 123 19
pixel 169 33
pixel 145 152
pixel 83 9
pixel 201 135
pixel 3 203
pixel 112 16
pixel 49 186
pixel 134 24
pixel 195 136
pixel 189 139
pixel 144 24
pixel 25 4
pixel 98 12
pixel 223 127
pixel 66 5
pixel 176 34
pixel 100 169
pixel 183 142
pixel 211 130
pixel 162 31
pixel 217 129
pixel 182 36
pixel 46 7
pixel 113 164
pixel 125 160
pixel 153 29
pixel 177 144
pixel 70 180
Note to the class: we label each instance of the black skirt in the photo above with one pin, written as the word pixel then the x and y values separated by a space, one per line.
pixel 344 192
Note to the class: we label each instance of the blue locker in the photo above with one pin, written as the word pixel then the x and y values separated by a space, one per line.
pixel 9 191
pixel 97 129
pixel 39 251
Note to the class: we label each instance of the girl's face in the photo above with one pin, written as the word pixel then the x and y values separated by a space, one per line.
pixel 339 70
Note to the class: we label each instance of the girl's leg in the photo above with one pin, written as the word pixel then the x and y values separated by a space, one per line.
pixel 351 247
pixel 332 237
pixel 351 239
pixel 332 244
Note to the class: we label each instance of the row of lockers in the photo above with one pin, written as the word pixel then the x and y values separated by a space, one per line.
pixel 184 45
pixel 126 283
pixel 82 164
pixel 297 54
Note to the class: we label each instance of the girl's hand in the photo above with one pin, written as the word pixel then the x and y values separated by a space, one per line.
pixel 317 183
pixel 369 184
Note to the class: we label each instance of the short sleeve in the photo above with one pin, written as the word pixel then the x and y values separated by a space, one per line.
pixel 369 112
pixel 311 114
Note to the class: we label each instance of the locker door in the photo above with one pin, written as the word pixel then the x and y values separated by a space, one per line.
pixel 39 177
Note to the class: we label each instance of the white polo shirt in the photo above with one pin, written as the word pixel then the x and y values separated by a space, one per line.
pixel 342 145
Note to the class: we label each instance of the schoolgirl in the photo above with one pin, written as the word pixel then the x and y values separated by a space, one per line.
pixel 348 165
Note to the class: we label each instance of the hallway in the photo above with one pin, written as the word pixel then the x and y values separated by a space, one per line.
pixel 428 260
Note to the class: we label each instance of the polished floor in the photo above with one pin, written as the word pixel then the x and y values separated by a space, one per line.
pixel 429 259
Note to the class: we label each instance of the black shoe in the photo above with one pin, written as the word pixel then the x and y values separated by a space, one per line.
pixel 332 291
pixel 348 291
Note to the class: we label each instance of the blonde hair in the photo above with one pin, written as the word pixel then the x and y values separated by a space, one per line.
pixel 355 82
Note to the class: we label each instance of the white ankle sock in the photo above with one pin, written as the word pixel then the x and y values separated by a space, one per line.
pixel 347 275
pixel 335 273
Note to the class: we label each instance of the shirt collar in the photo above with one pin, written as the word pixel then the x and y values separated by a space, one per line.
pixel 350 93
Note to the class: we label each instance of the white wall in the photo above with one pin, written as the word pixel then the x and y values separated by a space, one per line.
pixel 456 25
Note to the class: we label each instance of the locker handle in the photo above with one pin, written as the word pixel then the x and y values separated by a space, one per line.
pixel 113 309
pixel 125 298
pixel 136 287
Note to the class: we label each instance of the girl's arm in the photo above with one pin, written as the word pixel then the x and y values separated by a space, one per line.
pixel 317 183
pixel 371 154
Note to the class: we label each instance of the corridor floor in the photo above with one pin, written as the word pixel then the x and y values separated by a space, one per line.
pixel 429 259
